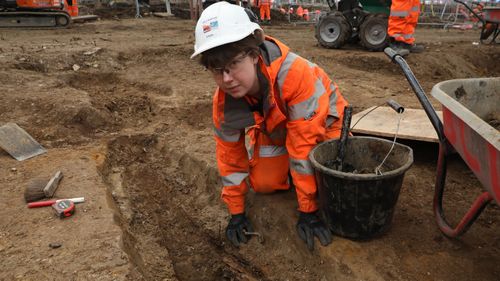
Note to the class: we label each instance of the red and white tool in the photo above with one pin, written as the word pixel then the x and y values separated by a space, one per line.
pixel 51 202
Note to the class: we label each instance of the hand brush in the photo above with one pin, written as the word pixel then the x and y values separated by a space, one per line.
pixel 37 192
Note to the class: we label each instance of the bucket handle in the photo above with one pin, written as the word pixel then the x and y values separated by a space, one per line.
pixel 399 109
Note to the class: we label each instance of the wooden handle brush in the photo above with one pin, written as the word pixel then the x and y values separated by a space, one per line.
pixel 37 192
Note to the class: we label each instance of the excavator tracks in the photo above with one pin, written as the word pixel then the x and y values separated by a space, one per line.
pixel 38 19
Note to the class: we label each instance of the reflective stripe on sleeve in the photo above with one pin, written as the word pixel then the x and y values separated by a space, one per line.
pixel 301 166
pixel 415 8
pixel 306 108
pixel 271 150
pixel 333 101
pixel 333 114
pixel 228 135
pixel 311 64
pixel 233 179
pixel 285 67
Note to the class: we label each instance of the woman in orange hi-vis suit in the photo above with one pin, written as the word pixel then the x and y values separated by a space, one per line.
pixel 280 102
pixel 402 22
pixel 265 10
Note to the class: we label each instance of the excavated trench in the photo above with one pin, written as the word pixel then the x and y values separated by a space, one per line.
pixel 164 201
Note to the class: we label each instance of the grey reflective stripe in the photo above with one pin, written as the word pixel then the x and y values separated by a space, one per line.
pixel 306 108
pixel 237 114
pixel 405 36
pixel 333 88
pixel 271 150
pixel 415 8
pixel 301 166
pixel 230 135
pixel 311 64
pixel 250 152
pixel 233 179
pixel 399 13
pixel 333 114
pixel 333 101
pixel 285 67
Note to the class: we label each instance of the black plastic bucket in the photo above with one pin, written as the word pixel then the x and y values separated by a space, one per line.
pixel 360 205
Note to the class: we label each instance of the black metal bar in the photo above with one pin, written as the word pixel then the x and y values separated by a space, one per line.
pixel 346 125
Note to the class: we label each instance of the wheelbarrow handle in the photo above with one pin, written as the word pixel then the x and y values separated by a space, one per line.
pixel 419 91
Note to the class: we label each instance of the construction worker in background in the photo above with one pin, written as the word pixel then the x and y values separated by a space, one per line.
pixel 306 14
pixel 300 11
pixel 283 104
pixel 402 22
pixel 71 6
pixel 265 11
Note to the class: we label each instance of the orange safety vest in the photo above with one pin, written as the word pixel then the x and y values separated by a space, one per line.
pixel 301 107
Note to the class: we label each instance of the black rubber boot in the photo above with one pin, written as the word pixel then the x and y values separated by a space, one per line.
pixel 416 48
pixel 400 48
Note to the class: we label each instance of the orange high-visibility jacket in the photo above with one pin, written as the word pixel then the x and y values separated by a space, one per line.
pixel 300 108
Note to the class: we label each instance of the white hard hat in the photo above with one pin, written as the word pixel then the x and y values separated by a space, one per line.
pixel 221 23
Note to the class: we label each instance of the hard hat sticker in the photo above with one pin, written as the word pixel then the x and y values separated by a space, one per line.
pixel 210 25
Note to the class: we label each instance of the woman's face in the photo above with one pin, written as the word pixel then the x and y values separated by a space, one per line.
pixel 239 77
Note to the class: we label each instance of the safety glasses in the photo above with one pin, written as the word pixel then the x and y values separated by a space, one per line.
pixel 233 67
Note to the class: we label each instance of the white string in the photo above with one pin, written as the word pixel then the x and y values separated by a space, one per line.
pixel 377 169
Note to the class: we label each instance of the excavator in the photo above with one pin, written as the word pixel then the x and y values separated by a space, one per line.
pixel 37 13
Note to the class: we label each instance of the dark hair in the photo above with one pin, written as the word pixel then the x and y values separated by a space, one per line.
pixel 222 55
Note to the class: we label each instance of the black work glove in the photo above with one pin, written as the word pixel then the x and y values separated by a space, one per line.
pixel 235 231
pixel 308 226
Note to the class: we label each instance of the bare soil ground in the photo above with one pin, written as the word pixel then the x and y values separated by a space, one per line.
pixel 131 131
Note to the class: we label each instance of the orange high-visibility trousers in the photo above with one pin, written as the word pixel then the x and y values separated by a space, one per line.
pixel 268 169
pixel 265 12
pixel 403 20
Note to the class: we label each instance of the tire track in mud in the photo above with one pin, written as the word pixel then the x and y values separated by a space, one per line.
pixel 154 199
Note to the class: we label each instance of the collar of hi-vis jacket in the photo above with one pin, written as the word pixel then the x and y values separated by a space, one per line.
pixel 236 114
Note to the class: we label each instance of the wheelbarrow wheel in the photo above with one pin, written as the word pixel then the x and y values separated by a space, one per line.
pixel 373 32
pixel 333 30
